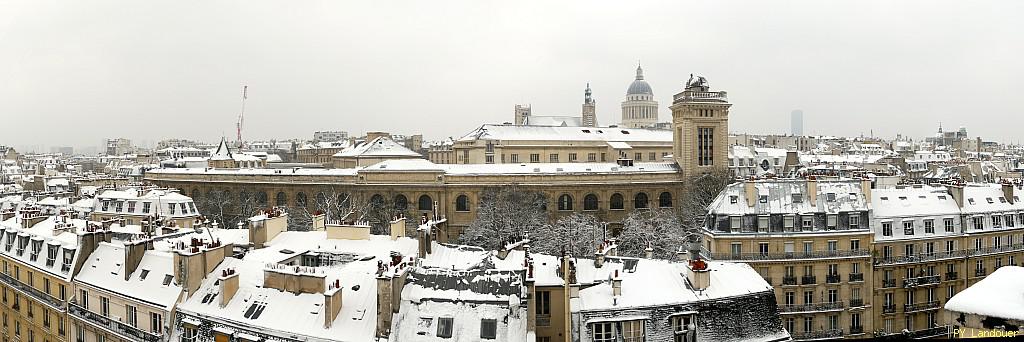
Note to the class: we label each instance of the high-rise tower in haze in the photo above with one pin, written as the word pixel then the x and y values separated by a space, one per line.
pixel 796 122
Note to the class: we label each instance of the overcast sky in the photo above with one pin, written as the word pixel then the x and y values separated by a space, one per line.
pixel 75 72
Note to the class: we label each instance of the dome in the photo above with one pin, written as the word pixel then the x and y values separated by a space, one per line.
pixel 639 86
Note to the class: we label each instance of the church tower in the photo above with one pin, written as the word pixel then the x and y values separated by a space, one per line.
pixel 589 109
pixel 700 128
pixel 522 113
pixel 639 110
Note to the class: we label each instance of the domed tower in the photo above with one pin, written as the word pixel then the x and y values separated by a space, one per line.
pixel 639 108
pixel 589 109
pixel 700 128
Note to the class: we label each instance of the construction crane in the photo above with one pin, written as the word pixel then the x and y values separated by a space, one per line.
pixel 241 115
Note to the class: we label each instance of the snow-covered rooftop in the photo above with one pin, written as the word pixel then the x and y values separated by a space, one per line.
pixel 1001 294
pixel 560 133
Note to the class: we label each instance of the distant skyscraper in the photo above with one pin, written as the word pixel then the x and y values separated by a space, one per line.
pixel 797 122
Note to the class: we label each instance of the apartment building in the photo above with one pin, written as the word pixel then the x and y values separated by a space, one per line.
pixel 135 205
pixel 811 241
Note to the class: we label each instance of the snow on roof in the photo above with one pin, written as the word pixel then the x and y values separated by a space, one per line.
pixel 326 144
pixel 924 200
pixel 301 316
pixel 1001 294
pixel 105 269
pixel 44 231
pixel 778 198
pixel 988 197
pixel 381 146
pixel 419 164
pixel 222 152
pixel 511 132
pixel 662 283
pixel 541 120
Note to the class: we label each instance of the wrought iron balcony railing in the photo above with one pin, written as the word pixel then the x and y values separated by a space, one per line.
pixel 979 272
pixel 808 280
pixel 32 292
pixel 833 278
pixel 906 259
pixel 931 332
pixel 856 277
pixel 890 308
pixel 789 280
pixel 825 306
pixel 951 276
pixel 856 329
pixel 788 255
pixel 888 283
pixel 858 302
pixel 914 307
pixel 111 325
pixel 817 334
pixel 921 281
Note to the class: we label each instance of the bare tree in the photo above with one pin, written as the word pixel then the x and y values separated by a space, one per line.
pixel 658 229
pixel 505 213
pixel 217 206
pixel 378 211
pixel 698 193
pixel 577 234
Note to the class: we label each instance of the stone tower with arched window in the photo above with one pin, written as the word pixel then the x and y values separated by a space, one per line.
pixel 700 125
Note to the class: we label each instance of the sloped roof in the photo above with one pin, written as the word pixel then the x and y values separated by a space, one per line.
pixel 511 132
pixel 381 146
pixel 223 152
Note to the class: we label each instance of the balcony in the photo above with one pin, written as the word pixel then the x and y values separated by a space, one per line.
pixel 39 296
pixel 818 334
pixel 908 259
pixel 786 255
pixel 915 307
pixel 980 272
pixel 996 249
pixel 833 278
pixel 931 332
pixel 921 281
pixel 789 280
pixel 889 308
pixel 856 277
pixel 856 330
pixel 117 327
pixel 856 303
pixel 888 283
pixel 951 276
pixel 808 280
pixel 812 307
pixel 700 96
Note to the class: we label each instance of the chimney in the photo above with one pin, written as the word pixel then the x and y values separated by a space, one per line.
pixel 649 252
pixel 1007 191
pixel 195 259
pixel 865 187
pixel 957 192
pixel 318 222
pixel 398 228
pixel 750 192
pixel 812 190
pixel 332 303
pixel 698 275
pixel 616 285
pixel 423 237
pixel 133 253
pixel 228 286
pixel 266 226
pixel 6 214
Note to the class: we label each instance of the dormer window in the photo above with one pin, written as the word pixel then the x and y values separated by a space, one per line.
pixel 733 199
pixel 22 244
pixel 69 254
pixel 184 209
pixel 37 246
pixel 1002 200
pixel 970 200
pixel 131 206
pixel 798 198
pixel 831 197
pixel 106 205
pixel 51 255
pixel 884 198
pixel 989 200
pixel 763 199
pixel 683 328
pixel 119 206
pixel 171 207
pixel 10 241
pixel 145 207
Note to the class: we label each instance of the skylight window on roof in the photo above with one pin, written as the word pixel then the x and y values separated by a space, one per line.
pixel 831 197
pixel 989 200
pixel 625 132
pixel 884 198
pixel 970 200
pixel 942 197
pixel 1002 200
pixel 763 199
pixel 798 198
pixel 733 199
pixel 903 198
pixel 586 131
pixel 142 276
pixel 167 279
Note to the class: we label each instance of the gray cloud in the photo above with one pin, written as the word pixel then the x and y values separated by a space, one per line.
pixel 82 71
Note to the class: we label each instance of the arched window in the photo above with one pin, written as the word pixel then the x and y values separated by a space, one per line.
pixel 462 203
pixel 321 201
pixel 377 200
pixel 590 202
pixel 640 201
pixel 244 196
pixel 281 199
pixel 616 202
pixel 665 200
pixel 565 202
pixel 343 201
pixel 401 202
pixel 300 200
pixel 195 194
pixel 261 198
pixel 425 203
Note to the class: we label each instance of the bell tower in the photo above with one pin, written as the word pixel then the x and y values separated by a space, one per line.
pixel 589 109
pixel 700 128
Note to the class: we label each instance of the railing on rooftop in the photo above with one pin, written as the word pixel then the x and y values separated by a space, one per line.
pixel 808 280
pixel 701 96
pixel 996 249
pixel 40 296
pixel 980 272
pixel 112 325
pixel 788 255
pixel 907 259
pixel 833 278
pixel 943 330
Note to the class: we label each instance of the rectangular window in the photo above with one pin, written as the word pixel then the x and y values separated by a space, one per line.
pixel 854 245
pixel 131 206
pixel 652 156
pixel 737 248
pixel 832 245
pixel 104 306
pixel 514 158
pixel 929 226
pixel 948 223
pixel 444 327
pixel 488 329
pixel 489 159
pixel 131 312
pixel 156 323
pixel 638 156
pixel 763 248
pixel 807 222
pixel 535 158
pixel 979 222
pixel 170 208
pixel 604 332
pixel 572 157
pixel 886 228
pixel 145 207
pixel 997 221
pixel 832 220
pixel 591 157
pixel 787 222
pixel 908 227
pixel 553 158
pixel 854 221
pixel 705 146
pixel 85 299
